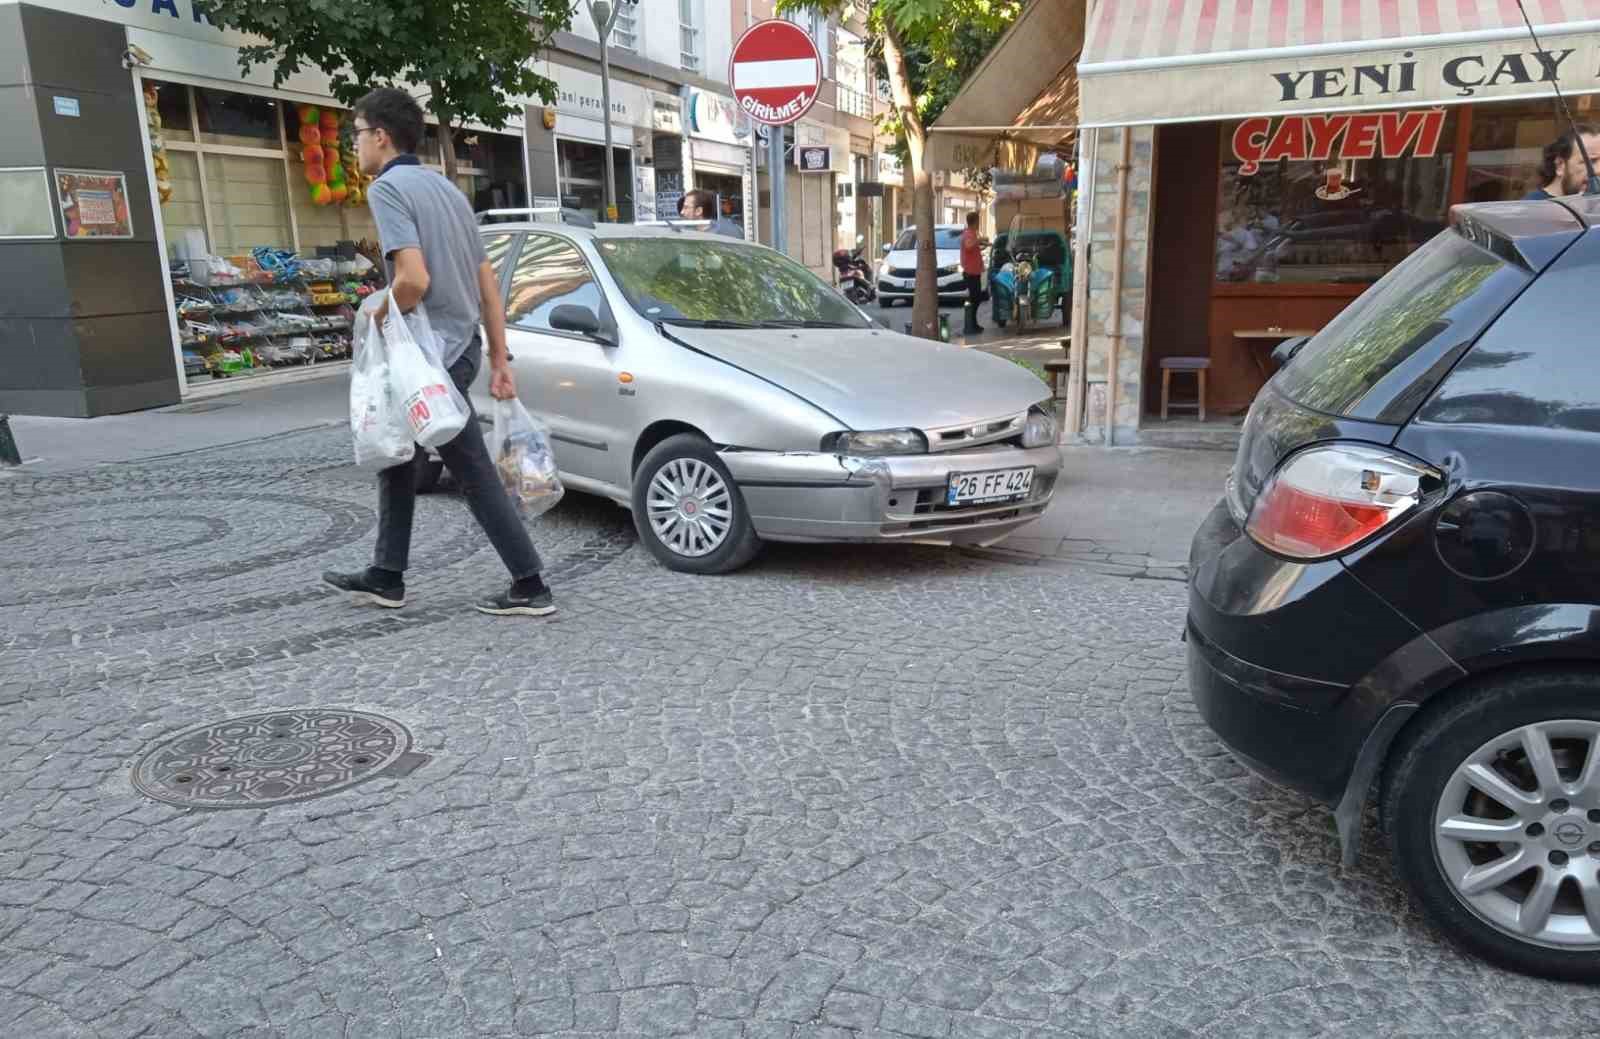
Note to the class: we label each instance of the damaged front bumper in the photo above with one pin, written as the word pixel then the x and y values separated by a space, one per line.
pixel 810 496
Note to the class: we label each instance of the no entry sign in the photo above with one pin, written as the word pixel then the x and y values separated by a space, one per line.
pixel 775 71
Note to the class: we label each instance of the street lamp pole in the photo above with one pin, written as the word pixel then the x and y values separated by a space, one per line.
pixel 604 13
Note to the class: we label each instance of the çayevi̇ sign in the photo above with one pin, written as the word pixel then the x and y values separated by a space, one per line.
pixel 1360 135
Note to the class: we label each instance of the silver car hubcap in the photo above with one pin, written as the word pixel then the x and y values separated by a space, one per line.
pixel 1517 833
pixel 691 509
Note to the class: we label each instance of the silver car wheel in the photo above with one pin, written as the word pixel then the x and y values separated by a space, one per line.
pixel 1517 833
pixel 690 508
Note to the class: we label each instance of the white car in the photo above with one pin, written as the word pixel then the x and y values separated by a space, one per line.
pixel 897 271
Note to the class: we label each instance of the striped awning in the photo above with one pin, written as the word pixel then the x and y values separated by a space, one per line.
pixel 1156 61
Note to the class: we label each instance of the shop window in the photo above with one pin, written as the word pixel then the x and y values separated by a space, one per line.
pixel 241 120
pixel 1331 199
pixel 172 104
pixel 548 274
pixel 583 178
pixel 1508 147
pixel 248 204
pixel 184 212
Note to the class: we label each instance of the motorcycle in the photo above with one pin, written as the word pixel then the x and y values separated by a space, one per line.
pixel 853 274
pixel 1033 264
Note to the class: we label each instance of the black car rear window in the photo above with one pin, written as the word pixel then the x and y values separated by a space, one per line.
pixel 1379 358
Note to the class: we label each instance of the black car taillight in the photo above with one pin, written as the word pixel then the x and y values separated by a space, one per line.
pixel 1328 499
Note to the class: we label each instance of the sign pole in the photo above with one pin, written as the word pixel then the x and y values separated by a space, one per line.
pixel 775 71
pixel 778 173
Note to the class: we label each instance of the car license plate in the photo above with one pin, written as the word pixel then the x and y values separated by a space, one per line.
pixel 987 488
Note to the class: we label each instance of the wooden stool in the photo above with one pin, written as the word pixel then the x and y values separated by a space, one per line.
pixel 1198 366
pixel 1057 373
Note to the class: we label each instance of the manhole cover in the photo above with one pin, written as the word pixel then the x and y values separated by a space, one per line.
pixel 269 759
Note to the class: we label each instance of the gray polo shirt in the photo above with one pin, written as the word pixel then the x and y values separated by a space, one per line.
pixel 415 207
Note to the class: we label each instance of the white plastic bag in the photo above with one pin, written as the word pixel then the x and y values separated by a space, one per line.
pixel 382 434
pixel 522 454
pixel 433 406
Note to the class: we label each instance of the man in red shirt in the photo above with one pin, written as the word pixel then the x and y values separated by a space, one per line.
pixel 972 271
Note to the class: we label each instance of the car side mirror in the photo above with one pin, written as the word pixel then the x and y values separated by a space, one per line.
pixel 886 249
pixel 1285 351
pixel 569 317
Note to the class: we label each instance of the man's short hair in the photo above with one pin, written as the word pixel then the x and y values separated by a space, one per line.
pixel 972 219
pixel 699 199
pixel 396 113
pixel 1562 148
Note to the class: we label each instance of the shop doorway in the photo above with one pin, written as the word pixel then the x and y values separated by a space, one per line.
pixel 729 191
pixel 580 169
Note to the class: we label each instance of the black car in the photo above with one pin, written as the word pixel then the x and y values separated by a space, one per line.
pixel 1401 587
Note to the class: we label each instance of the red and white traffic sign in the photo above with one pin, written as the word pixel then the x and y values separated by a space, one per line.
pixel 775 71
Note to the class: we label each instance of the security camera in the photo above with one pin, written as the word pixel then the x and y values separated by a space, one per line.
pixel 136 55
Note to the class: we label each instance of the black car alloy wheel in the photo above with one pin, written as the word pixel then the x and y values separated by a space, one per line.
pixel 1492 807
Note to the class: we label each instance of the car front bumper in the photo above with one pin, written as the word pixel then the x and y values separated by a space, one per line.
pixel 905 288
pixel 810 496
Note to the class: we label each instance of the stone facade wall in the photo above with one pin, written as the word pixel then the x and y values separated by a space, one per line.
pixel 1102 226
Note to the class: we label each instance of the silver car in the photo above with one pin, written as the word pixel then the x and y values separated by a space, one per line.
pixel 728 396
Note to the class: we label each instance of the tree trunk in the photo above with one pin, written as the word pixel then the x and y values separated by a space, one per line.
pixel 925 301
pixel 447 137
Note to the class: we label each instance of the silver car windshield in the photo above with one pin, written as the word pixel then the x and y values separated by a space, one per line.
pixel 686 281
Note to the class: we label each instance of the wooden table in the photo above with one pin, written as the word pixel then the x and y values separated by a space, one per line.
pixel 1271 334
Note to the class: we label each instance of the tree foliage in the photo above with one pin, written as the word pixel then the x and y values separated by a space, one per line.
pixel 472 57
pixel 941 65
pixel 926 49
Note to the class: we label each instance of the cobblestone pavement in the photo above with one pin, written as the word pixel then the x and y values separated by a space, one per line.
pixel 866 792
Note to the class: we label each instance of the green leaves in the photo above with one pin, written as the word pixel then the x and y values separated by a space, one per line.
pixel 474 53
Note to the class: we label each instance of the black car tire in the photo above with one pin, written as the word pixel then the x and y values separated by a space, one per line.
pixel 741 543
pixel 1421 765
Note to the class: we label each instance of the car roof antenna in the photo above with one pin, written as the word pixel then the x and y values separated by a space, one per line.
pixel 1593 185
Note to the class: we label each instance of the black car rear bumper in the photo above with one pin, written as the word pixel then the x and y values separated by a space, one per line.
pixel 1282 657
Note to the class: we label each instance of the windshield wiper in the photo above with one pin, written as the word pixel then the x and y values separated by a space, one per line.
pixel 689 322
pixel 786 323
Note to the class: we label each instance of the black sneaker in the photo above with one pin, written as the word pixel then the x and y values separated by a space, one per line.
pixel 510 604
pixel 366 589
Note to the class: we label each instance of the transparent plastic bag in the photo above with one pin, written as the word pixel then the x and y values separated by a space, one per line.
pixel 522 455
pixel 382 434
pixel 431 403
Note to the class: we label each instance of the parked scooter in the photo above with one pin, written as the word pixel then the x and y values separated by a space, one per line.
pixel 854 274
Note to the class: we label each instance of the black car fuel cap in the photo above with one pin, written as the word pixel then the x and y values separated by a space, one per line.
pixel 1484 535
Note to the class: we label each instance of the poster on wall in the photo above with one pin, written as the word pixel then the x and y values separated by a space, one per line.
pixel 25 204
pixel 93 204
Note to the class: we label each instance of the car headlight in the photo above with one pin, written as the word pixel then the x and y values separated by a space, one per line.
pixel 1040 429
pixel 952 269
pixel 876 442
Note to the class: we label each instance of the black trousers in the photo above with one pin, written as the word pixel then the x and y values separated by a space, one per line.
pixel 467 456
pixel 974 291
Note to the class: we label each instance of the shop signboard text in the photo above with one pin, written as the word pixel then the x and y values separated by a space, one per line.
pixel 1360 135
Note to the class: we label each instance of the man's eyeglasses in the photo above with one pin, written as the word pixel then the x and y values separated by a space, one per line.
pixel 366 129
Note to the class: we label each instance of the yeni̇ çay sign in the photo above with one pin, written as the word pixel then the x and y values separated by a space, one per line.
pixel 1361 135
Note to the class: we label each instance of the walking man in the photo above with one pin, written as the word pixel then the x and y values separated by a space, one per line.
pixel 1562 171
pixel 972 272
pixel 434 256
